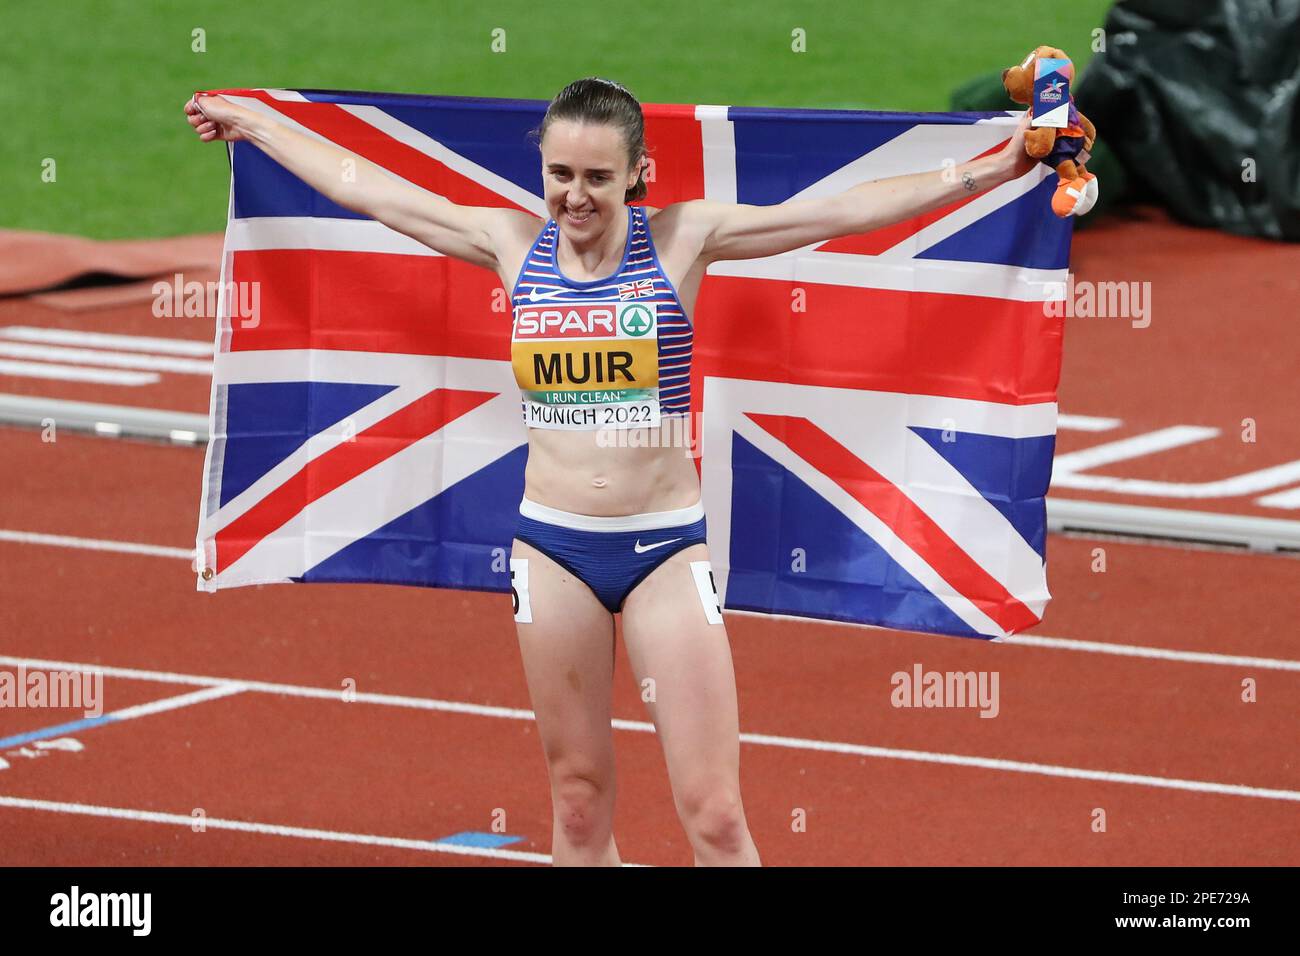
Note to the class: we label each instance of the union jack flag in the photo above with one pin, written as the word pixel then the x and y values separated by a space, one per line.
pixel 636 290
pixel 878 411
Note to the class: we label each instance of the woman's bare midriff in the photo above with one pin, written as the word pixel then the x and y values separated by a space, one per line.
pixel 621 471
pixel 624 472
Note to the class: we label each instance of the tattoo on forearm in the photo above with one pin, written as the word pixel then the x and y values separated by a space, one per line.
pixel 969 181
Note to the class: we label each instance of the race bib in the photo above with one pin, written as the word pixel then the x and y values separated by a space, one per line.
pixel 587 365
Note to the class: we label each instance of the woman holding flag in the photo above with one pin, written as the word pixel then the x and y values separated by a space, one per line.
pixel 611 520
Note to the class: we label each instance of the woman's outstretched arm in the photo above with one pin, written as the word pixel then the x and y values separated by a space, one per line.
pixel 465 232
pixel 740 231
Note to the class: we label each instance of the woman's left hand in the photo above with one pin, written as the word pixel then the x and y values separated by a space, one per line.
pixel 1014 159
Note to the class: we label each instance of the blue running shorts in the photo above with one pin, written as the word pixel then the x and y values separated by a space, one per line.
pixel 611 555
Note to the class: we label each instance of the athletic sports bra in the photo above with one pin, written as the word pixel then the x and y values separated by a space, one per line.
pixel 609 353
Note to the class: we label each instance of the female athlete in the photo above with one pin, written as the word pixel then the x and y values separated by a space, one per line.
pixel 603 294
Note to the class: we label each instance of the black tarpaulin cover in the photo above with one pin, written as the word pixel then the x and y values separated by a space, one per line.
pixel 1200 100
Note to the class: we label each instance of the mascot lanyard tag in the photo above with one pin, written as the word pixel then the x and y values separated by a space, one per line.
pixel 1051 101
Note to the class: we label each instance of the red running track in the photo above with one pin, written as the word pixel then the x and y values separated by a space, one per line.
pixel 385 770
pixel 376 780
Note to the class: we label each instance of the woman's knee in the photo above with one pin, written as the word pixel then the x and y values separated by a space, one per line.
pixel 715 816
pixel 583 799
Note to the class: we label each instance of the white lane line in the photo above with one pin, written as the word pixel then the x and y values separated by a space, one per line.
pixel 1138 446
pixel 1087 423
pixel 130 713
pixel 174 703
pixel 106 340
pixel 1070 644
pixel 1020 766
pixel 62 353
pixel 287 690
pixel 768 740
pixel 1156 653
pixel 75 373
pixel 93 544
pixel 271 829
pixel 1282 499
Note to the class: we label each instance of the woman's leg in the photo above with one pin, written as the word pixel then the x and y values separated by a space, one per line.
pixel 670 641
pixel 568 655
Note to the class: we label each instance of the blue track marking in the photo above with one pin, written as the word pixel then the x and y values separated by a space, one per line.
pixel 55 731
pixel 473 838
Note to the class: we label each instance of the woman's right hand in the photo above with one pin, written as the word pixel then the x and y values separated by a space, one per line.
pixel 218 118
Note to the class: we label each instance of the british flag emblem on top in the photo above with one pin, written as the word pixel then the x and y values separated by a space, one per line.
pixel 636 290
pixel 877 412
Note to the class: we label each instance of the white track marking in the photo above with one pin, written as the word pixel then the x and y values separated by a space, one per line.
pixel 287 690
pixel 1248 483
pixel 1164 439
pixel 138 360
pixel 1282 499
pixel 68 744
pixel 174 703
pixel 75 373
pixel 271 829
pixel 93 544
pixel 1087 423
pixel 1155 653
pixel 768 740
pixel 1020 766
pixel 138 710
pixel 105 340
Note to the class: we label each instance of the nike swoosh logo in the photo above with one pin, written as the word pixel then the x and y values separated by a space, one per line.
pixel 650 547
pixel 534 297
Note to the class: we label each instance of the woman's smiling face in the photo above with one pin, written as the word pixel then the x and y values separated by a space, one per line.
pixel 586 173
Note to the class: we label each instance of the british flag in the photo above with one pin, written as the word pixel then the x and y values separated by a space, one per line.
pixel 878 412
pixel 636 290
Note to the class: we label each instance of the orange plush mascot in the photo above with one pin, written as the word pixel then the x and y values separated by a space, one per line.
pixel 1060 135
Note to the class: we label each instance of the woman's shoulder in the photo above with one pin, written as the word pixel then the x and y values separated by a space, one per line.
pixel 679 220
pixel 513 234
pixel 515 228
pixel 675 213
pixel 687 210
